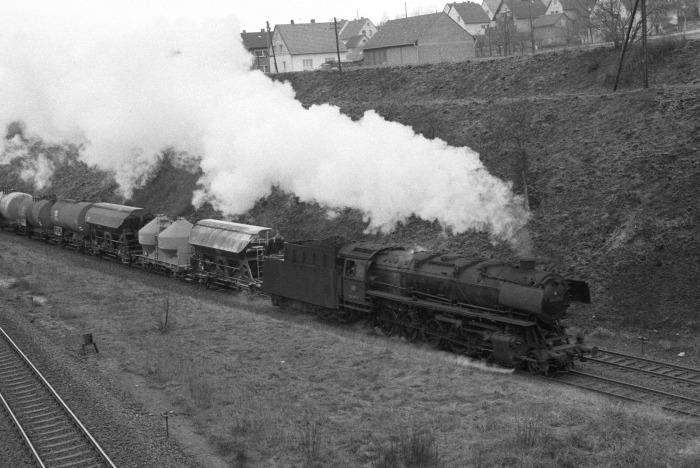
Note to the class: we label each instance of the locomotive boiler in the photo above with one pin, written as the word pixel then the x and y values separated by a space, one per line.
pixel 482 308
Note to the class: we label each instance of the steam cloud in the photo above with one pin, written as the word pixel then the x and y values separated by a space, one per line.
pixel 125 84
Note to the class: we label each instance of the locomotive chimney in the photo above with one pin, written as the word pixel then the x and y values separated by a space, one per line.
pixel 527 263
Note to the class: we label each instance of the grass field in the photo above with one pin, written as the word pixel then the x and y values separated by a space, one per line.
pixel 271 388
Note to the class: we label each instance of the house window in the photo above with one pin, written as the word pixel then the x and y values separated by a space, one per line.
pixel 308 63
pixel 264 68
pixel 260 53
pixel 284 65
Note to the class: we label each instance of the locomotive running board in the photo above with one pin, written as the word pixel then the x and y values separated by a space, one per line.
pixel 448 308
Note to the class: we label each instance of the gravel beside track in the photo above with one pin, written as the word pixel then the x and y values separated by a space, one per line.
pixel 130 435
pixel 14 453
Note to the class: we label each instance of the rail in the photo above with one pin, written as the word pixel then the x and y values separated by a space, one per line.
pixel 69 439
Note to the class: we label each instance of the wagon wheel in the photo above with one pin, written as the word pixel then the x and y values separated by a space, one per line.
pixel 433 333
pixel 388 322
pixel 411 329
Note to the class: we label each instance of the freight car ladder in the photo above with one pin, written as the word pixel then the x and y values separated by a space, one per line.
pixel 259 254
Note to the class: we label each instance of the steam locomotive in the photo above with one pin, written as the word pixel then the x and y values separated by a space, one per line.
pixel 482 308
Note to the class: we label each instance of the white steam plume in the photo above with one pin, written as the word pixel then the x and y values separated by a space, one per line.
pixel 125 83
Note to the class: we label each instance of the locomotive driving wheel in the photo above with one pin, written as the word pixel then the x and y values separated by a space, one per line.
pixel 388 322
pixel 411 329
pixel 433 333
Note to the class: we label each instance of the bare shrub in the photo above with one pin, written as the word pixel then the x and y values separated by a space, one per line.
pixel 530 430
pixel 310 438
pixel 201 389
pixel 161 311
pixel 417 449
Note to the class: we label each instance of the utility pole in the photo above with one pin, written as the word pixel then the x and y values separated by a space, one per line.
pixel 337 45
pixel 269 43
pixel 644 43
pixel 624 44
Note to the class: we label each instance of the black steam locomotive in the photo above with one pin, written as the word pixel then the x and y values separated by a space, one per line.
pixel 481 308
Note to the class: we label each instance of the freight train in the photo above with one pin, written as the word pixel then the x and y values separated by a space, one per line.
pixel 212 252
pixel 488 309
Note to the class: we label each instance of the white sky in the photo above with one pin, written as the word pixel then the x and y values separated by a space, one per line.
pixel 253 14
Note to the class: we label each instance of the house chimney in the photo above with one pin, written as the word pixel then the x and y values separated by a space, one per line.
pixel 313 21
pixel 262 30
pixel 244 31
pixel 291 22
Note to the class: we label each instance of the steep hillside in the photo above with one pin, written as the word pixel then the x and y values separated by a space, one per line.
pixel 613 179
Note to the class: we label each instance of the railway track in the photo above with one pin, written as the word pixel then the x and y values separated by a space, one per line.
pixel 54 435
pixel 662 381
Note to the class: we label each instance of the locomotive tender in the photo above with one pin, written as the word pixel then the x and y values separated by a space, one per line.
pixel 481 308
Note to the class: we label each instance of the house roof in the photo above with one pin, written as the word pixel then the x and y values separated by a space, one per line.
pixel 254 40
pixel 352 28
pixel 492 4
pixel 309 38
pixel 354 41
pixel 583 6
pixel 471 13
pixel 404 31
pixel 547 20
pixel 523 9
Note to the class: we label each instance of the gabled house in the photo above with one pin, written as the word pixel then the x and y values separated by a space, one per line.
pixel 256 44
pixel 358 27
pixel 553 30
pixel 574 9
pixel 490 7
pixel 469 15
pixel 355 34
pixel 355 46
pixel 419 39
pixel 305 46
pixel 520 12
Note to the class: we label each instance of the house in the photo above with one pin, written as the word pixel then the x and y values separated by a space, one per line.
pixel 578 12
pixel 419 39
pixel 553 30
pixel 359 27
pixel 490 7
pixel 256 44
pixel 355 46
pixel 521 12
pixel 305 46
pixel 574 9
pixel 355 34
pixel 469 15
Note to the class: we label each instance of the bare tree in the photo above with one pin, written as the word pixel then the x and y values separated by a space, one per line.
pixel 610 19
pixel 513 131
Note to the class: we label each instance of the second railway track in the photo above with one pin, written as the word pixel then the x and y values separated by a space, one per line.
pixel 639 379
pixel 50 429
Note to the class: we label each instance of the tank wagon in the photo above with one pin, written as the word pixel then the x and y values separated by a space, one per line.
pixel 13 207
pixel 482 308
